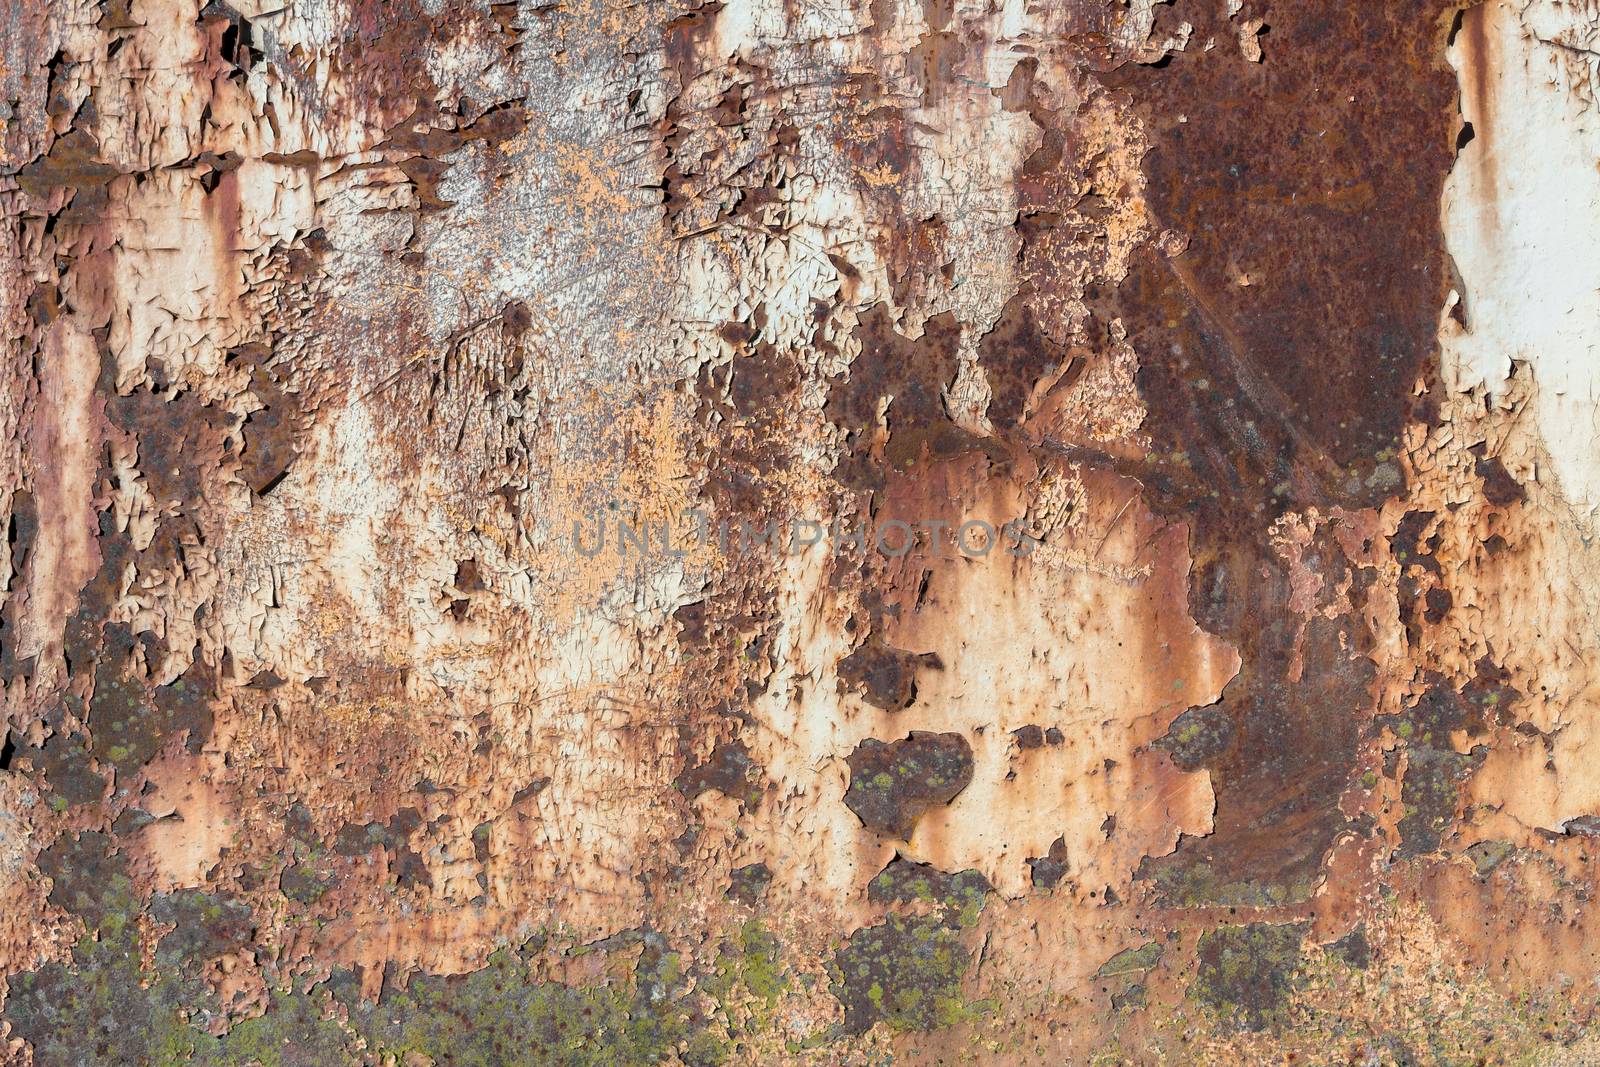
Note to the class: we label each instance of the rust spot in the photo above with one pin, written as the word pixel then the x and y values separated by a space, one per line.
pixel 749 883
pixel 911 376
pixel 729 770
pixel 1016 355
pixel 73 162
pixel 1499 487
pixel 1049 869
pixel 892 784
pixel 1291 391
pixel 885 676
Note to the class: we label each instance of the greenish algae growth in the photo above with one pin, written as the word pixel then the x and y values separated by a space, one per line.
pixel 905 972
pixel 1132 960
pixel 504 1016
pixel 751 961
pixel 106 1007
pixel 1247 972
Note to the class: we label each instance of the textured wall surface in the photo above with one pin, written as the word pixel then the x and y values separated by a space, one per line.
pixel 796 532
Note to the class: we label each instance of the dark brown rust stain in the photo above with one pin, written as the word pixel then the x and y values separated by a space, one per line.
pixel 1031 737
pixel 936 60
pixel 63 759
pixel 750 396
pixel 1015 356
pixel 922 258
pixel 892 784
pixel 180 439
pixel 130 719
pixel 744 443
pixel 378 55
pixel 1499 487
pixel 886 677
pixel 1290 753
pixel 271 434
pixel 1028 737
pixel 748 884
pixel 1430 791
pixel 22 529
pixel 205 926
pixel 907 970
pixel 73 162
pixel 1353 948
pixel 1047 871
pixel 427 135
pixel 706 176
pixel 1316 176
pixel 912 375
pixel 729 769
pixel 83 870
pixel 1197 737
pixel 1271 443
pixel 1418 591
pixel 1434 770
pixel 357 840
pixel 303 884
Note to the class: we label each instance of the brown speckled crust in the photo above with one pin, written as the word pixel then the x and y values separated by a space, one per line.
pixel 765 532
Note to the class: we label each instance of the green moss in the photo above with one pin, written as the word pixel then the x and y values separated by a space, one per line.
pixel 292 1031
pixel 1132 960
pixel 503 1016
pixel 204 926
pixel 107 1007
pixel 1247 972
pixel 1430 791
pixel 302 883
pixel 706 1049
pixel 905 971
pixel 1195 883
pixel 748 977
pixel 961 896
pixel 760 966
pixel 116 1002
pixel 94 1011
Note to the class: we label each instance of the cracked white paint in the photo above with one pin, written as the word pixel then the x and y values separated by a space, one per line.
pixel 1522 220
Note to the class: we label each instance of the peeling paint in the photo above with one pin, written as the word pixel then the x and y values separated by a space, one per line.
pixel 1096 504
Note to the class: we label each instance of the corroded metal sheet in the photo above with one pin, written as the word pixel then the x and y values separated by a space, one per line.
pixel 758 532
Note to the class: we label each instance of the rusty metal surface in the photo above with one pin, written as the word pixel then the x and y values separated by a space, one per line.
pixel 766 532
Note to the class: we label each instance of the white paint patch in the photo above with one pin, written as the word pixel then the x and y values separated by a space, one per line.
pixel 1522 219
